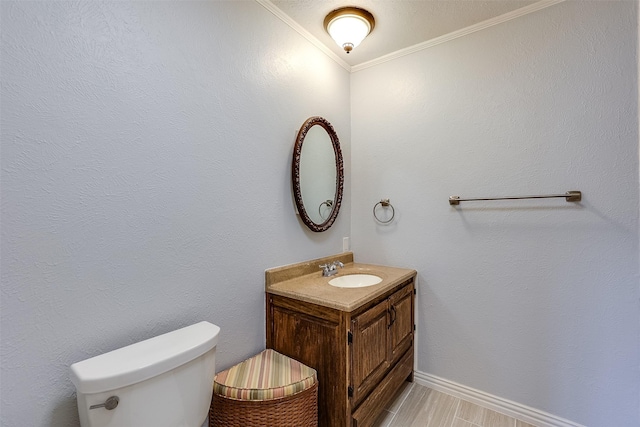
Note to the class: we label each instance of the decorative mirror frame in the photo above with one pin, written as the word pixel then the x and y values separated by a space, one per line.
pixel 295 173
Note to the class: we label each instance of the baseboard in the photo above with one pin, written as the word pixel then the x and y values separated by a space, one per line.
pixel 498 404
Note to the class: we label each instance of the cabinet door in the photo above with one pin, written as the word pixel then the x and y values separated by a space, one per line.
pixel 401 329
pixel 369 349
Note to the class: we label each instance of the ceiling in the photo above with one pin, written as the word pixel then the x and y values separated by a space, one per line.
pixel 399 23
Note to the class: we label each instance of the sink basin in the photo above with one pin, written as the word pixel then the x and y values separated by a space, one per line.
pixel 355 281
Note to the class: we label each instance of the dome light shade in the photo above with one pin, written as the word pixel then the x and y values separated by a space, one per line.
pixel 348 26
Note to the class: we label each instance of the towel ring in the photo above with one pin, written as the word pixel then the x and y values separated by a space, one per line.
pixel 327 202
pixel 384 203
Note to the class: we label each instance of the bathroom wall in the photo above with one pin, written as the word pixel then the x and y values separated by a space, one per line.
pixel 533 301
pixel 146 152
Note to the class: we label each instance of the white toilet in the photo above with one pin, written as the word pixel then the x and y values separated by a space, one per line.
pixel 165 381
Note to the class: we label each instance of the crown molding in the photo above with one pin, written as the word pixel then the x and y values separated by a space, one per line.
pixel 542 4
pixel 459 33
pixel 304 33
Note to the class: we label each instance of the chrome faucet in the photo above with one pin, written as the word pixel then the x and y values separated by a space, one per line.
pixel 331 269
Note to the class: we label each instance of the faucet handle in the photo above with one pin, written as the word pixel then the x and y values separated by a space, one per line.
pixel 330 269
pixel 326 269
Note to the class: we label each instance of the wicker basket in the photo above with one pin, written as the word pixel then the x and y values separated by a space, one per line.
pixel 266 390
pixel 297 410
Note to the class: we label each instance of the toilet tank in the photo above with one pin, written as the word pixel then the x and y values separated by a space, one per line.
pixel 165 381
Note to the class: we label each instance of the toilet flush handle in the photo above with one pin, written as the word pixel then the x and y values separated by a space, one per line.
pixel 109 404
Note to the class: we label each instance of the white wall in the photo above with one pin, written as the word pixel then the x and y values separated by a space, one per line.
pixel 145 186
pixel 532 301
pixel 146 151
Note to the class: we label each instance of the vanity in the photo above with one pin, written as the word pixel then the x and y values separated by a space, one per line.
pixel 359 339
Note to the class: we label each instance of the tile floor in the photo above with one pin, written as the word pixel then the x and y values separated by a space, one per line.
pixel 419 406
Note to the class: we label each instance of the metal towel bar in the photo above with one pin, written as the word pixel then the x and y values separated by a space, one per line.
pixel 570 196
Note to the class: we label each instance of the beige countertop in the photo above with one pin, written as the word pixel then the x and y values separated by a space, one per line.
pixel 314 288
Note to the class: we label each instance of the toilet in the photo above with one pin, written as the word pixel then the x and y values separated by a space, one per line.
pixel 165 381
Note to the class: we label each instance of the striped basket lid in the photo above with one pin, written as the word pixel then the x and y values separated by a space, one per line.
pixel 265 376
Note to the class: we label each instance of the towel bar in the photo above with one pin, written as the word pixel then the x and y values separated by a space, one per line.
pixel 570 196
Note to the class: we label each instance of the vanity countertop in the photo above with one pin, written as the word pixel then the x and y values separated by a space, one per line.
pixel 291 281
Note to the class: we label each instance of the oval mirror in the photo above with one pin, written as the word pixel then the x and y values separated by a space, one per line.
pixel 317 174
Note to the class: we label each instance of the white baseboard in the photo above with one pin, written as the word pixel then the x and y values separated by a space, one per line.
pixel 513 409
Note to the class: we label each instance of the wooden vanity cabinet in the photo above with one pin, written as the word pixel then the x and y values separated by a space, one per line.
pixel 362 357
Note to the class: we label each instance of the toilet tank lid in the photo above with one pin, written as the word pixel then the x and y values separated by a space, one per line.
pixel 143 360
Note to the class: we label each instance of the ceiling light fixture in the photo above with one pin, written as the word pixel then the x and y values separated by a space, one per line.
pixel 348 26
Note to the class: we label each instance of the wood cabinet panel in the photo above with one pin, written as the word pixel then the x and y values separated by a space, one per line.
pixel 369 352
pixel 318 343
pixel 402 321
pixel 361 357
pixel 367 413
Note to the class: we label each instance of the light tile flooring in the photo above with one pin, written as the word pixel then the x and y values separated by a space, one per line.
pixel 419 406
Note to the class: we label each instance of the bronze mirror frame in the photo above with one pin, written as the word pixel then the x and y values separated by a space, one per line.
pixel 295 173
